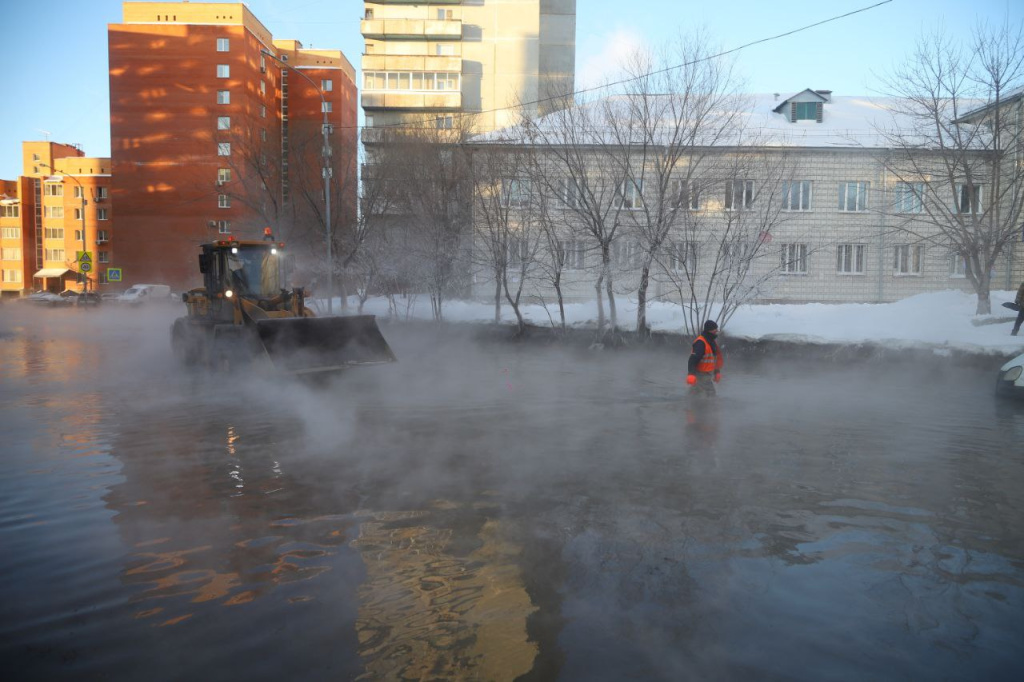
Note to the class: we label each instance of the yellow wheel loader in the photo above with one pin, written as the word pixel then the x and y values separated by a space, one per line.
pixel 244 314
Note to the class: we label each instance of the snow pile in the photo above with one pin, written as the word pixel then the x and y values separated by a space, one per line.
pixel 941 320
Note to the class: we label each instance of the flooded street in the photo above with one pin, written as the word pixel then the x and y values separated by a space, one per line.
pixel 491 511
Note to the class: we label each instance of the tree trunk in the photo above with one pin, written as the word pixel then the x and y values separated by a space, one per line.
pixel 600 302
pixel 641 303
pixel 561 301
pixel 497 299
pixel 613 316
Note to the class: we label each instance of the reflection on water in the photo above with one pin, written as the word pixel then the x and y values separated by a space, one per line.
pixel 497 512
pixel 426 612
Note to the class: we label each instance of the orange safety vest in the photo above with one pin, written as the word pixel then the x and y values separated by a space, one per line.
pixel 711 361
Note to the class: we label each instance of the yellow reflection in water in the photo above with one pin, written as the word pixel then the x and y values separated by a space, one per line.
pixel 427 613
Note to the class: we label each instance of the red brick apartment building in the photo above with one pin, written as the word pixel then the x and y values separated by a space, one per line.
pixel 59 206
pixel 210 137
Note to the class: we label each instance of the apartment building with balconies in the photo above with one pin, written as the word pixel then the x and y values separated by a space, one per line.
pixel 216 129
pixel 429 63
pixel 58 209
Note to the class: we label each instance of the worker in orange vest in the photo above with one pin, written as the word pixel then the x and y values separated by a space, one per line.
pixel 705 363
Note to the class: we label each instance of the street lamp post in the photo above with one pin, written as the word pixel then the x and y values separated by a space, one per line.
pixel 326 172
pixel 81 190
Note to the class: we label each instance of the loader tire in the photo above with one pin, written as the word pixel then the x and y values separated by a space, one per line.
pixel 185 343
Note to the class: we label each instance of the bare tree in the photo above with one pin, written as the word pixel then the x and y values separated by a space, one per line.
pixel 955 142
pixel 508 238
pixel 675 113
pixel 431 192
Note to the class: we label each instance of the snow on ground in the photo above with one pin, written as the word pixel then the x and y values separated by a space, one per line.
pixel 942 320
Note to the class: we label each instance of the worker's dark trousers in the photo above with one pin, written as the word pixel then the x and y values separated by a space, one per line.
pixel 1016 325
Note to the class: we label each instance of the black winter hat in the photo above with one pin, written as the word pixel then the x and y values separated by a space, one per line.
pixel 710 326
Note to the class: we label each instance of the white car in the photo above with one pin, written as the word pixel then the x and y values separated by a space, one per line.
pixel 1011 378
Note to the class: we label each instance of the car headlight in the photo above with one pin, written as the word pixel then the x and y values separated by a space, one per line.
pixel 1012 374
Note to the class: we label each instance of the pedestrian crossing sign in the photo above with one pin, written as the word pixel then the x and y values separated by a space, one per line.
pixel 84 256
pixel 113 274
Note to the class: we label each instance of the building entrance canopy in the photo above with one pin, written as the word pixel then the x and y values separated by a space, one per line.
pixel 50 272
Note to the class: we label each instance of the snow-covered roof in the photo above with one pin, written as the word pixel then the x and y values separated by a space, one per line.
pixel 850 122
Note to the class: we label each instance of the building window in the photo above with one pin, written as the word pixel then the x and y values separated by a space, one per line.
pixel 223 175
pixel 806 111
pixel 78 236
pixel 263 87
pixel 263 110
pixel 223 71
pixel 223 201
pixel 77 193
pixel 53 233
pixel 629 196
pixel 327 107
pixel 263 64
pixel 102 236
pixel 223 97
pixel 35 157
pixel 11 211
pixel 11 233
pixel 223 227
pixel 739 195
pixel 850 259
pixel 11 276
pixel 327 85
pixel 684 194
pixel 444 122
pixel 794 259
pixel 53 189
pixel 796 196
pixel 53 211
pixel 682 256
pixel 853 196
pixel 570 194
pixel 101 214
pixel 572 254
pixel 103 256
pixel 411 80
pixel 10 253
pixel 223 149
pixel 223 123
pixel 263 134
pixel 78 214
pixel 223 44
pixel 957 265
pixel 907 259
pixel 624 254
pixel 53 254
pixel 968 198
pixel 101 192
pixel 907 197
pixel 515 193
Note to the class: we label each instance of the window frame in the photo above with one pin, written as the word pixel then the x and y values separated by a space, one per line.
pixel 909 197
pixel 803 196
pixel 746 189
pixel 908 260
pixel 791 266
pixel 863 188
pixel 851 259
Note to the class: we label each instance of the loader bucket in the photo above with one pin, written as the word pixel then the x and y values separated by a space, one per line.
pixel 304 345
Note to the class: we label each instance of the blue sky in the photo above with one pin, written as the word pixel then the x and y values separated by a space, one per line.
pixel 60 88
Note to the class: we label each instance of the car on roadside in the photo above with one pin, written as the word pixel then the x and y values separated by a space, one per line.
pixel 43 298
pixel 1010 382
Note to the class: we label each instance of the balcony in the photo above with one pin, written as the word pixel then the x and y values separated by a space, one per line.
pixel 411 29
pixel 447 100
pixel 403 62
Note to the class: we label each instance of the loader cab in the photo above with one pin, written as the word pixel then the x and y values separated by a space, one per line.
pixel 251 270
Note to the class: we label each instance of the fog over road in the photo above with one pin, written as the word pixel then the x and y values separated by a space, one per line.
pixel 491 510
